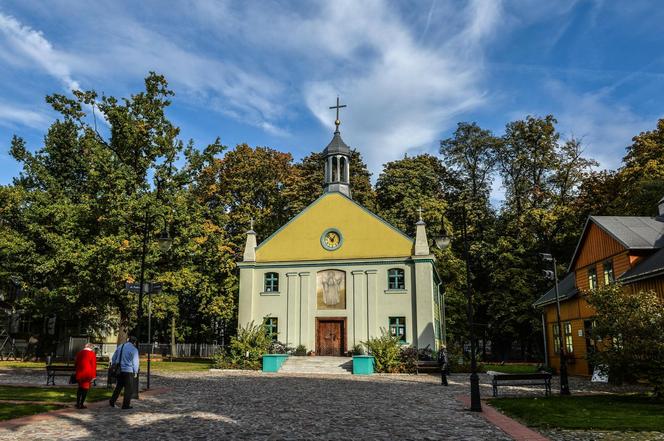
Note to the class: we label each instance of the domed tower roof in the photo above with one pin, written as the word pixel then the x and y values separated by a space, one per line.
pixel 337 160
pixel 337 145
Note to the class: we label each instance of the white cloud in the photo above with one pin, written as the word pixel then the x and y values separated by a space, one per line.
pixel 405 93
pixel 605 127
pixel 22 43
pixel 11 114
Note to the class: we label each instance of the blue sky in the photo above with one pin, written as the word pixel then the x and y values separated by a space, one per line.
pixel 265 73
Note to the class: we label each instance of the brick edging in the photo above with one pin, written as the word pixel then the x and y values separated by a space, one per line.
pixel 513 428
pixel 28 419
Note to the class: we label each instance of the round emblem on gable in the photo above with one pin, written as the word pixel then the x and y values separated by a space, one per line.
pixel 331 239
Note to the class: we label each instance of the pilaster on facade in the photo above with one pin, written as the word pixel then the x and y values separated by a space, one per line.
pixel 245 304
pixel 424 291
pixel 372 302
pixel 292 303
pixel 359 308
pixel 304 278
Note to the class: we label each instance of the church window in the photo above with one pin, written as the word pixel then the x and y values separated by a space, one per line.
pixel 592 278
pixel 272 327
pixel 608 272
pixel 398 327
pixel 556 338
pixel 396 279
pixel 271 282
pixel 569 345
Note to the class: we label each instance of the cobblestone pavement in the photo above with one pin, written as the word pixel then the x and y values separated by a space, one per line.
pixel 252 405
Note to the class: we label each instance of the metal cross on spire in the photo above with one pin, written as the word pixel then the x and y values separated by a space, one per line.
pixel 419 210
pixel 251 222
pixel 337 122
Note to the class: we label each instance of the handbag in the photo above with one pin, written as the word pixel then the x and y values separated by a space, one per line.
pixel 114 369
pixel 72 379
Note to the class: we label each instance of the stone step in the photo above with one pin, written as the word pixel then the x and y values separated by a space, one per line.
pixel 317 365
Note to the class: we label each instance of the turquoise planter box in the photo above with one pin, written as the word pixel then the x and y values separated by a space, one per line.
pixel 363 364
pixel 273 362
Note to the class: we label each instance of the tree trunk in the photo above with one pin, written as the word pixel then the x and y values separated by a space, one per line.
pixel 123 328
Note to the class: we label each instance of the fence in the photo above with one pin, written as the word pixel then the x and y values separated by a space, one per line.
pixel 203 350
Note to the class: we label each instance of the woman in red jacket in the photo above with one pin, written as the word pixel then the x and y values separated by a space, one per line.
pixel 86 371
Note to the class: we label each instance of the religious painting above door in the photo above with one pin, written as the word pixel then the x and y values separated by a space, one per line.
pixel 331 289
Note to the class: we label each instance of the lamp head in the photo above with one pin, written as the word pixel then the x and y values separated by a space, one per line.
pixel 443 241
pixel 165 241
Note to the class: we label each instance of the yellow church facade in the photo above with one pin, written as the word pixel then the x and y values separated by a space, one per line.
pixel 337 275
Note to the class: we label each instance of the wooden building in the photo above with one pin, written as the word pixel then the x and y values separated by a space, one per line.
pixel 627 249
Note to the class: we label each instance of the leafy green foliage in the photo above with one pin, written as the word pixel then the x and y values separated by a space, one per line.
pixel 390 355
pixel 246 348
pixel 630 326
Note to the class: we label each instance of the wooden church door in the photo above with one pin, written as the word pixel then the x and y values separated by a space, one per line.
pixel 330 337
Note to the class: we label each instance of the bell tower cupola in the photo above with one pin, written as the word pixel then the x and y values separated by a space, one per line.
pixel 337 160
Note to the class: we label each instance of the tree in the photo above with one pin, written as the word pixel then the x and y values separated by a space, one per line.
pixel 641 178
pixel 541 176
pixel 630 334
pixel 407 184
pixel 471 153
pixel 92 203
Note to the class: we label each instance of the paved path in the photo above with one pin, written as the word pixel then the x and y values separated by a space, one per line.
pixel 251 405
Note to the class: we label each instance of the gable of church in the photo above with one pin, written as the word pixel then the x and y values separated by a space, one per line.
pixel 363 234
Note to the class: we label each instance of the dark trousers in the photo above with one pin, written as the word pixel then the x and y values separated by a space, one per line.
pixel 126 382
pixel 80 396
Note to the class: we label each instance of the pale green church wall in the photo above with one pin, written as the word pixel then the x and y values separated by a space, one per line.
pixel 369 303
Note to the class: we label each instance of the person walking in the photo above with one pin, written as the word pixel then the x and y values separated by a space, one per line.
pixel 86 371
pixel 125 359
pixel 444 363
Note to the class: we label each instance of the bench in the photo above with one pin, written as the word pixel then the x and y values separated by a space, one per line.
pixel 500 379
pixel 56 370
pixel 60 370
pixel 427 366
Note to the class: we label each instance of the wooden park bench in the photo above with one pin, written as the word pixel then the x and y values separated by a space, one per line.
pixel 427 366
pixel 60 370
pixel 57 370
pixel 500 379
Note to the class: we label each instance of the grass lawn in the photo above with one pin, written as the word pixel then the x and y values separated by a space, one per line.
pixel 172 366
pixel 514 368
pixel 9 411
pixel 175 366
pixel 21 364
pixel 603 412
pixel 60 394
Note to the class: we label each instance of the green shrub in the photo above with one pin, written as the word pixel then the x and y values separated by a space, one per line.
pixel 386 350
pixel 245 349
pixel 301 350
pixel 358 350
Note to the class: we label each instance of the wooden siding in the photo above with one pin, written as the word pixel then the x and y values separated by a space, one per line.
pixel 656 285
pixel 621 263
pixel 597 245
pixel 577 363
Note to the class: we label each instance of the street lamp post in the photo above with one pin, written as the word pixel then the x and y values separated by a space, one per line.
pixel 165 242
pixel 443 242
pixel 553 275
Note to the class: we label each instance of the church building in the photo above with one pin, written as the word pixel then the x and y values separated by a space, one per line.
pixel 337 274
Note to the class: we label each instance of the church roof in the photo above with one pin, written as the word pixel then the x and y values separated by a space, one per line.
pixel 336 146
